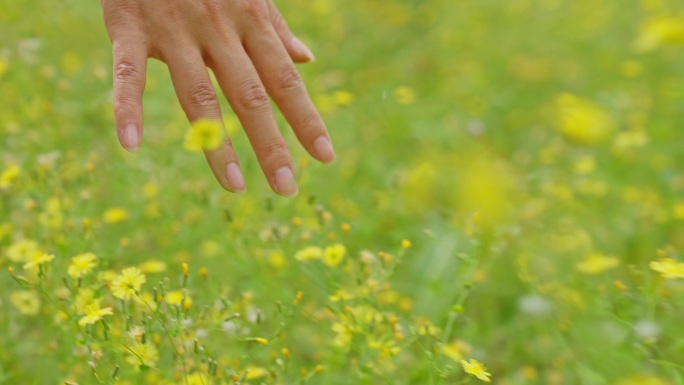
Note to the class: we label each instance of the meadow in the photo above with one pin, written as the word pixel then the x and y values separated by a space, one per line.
pixel 507 206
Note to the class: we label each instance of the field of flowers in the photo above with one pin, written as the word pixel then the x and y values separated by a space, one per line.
pixel 507 206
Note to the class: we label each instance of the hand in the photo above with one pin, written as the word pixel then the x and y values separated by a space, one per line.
pixel 250 49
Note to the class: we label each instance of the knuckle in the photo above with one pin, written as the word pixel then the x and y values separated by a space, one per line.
pixel 275 152
pixel 252 96
pixel 124 106
pixel 202 94
pixel 311 123
pixel 127 72
pixel 254 10
pixel 289 80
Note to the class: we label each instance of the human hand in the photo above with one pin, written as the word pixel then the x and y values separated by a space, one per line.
pixel 250 49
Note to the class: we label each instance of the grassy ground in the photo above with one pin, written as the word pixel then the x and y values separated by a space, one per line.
pixel 509 189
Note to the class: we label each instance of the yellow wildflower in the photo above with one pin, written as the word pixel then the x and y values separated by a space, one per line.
pixel 477 369
pixel 254 372
pixel 39 259
pixel 204 134
pixel 175 297
pixel 405 244
pixel 581 121
pixel 678 211
pixel 308 253
pixel 597 263
pixel 404 95
pixel 115 215
pixel 94 313
pixel 343 98
pixel 81 265
pixel 659 32
pixel 128 283
pixel 26 301
pixel 333 255
pixel 153 266
pixel 9 175
pixel 142 354
pixel 668 268
pixel 22 251
pixel 456 350
pixel 84 297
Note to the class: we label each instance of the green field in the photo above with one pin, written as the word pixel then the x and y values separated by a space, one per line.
pixel 509 188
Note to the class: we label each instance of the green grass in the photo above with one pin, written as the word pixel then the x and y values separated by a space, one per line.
pixel 501 205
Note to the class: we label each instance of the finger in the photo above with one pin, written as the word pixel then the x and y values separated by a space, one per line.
pixel 297 50
pixel 289 92
pixel 243 89
pixel 130 65
pixel 198 98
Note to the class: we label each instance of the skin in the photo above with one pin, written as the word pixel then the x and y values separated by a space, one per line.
pixel 248 46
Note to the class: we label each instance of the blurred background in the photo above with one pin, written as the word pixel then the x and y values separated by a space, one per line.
pixel 509 187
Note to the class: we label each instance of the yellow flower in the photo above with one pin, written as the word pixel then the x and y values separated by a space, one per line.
pixel 142 354
pixel 343 98
pixel 678 211
pixel 405 95
pixel 9 175
pixel 128 283
pixel 84 297
pixel 3 66
pixel 668 268
pixel 405 244
pixel 22 251
pixel 81 265
pixel 94 313
pixel 26 301
pixel 333 255
pixel 204 134
pixel 597 263
pixel 308 253
pixel 115 215
pixel 39 259
pixel 456 350
pixel 254 372
pixel 581 121
pixel 659 32
pixel 175 297
pixel 153 266
pixel 477 369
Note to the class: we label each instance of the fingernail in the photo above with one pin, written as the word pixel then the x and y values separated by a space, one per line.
pixel 285 183
pixel 235 179
pixel 303 49
pixel 324 149
pixel 130 138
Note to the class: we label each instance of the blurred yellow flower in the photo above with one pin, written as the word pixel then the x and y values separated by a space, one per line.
pixel 175 297
pixel 477 369
pixel 81 265
pixel 27 302
pixel 660 31
pixel 9 175
pixel 405 95
pixel 142 354
pixel 343 98
pixel 253 372
pixel 3 67
pixel 115 215
pixel 678 211
pixel 204 134
pixel 581 121
pixel 456 350
pixel 39 259
pixel 643 380
pixel 93 313
pixel 128 283
pixel 333 255
pixel 84 297
pixel 308 253
pixel 153 266
pixel 22 250
pixel 597 263
pixel 668 268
